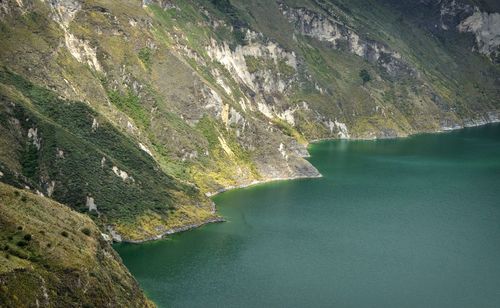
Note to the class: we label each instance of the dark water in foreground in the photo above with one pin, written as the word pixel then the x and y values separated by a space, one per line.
pixel 394 223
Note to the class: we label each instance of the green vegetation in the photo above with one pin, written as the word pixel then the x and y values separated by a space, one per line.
pixel 161 121
pixel 22 243
pixel 145 54
pixel 365 76
pixel 233 162
pixel 68 126
pixel 53 271
pixel 29 160
pixel 254 65
pixel 231 13
pixel 86 231
pixel 130 103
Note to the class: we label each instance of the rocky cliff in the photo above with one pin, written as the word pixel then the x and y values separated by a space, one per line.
pixel 133 112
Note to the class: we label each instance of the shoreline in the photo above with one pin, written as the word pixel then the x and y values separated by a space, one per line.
pixel 443 129
pixel 218 219
pixel 257 182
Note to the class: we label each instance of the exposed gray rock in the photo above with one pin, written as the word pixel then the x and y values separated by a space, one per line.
pixel 486 29
pixel 341 36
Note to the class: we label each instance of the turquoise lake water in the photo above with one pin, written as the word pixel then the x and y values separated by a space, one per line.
pixel 409 222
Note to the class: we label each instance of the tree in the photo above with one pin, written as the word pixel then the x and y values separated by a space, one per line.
pixel 365 76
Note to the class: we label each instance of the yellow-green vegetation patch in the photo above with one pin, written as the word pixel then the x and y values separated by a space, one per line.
pixel 54 257
pixel 230 164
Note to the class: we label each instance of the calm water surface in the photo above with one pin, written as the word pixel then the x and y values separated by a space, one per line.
pixel 393 223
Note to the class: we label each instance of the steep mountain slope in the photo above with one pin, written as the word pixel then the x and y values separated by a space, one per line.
pixel 134 111
pixel 55 257
pixel 65 149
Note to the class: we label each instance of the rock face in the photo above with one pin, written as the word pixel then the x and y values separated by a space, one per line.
pixel 265 80
pixel 486 29
pixel 485 26
pixel 462 16
pixel 340 36
pixel 63 13
pixel 134 112
pixel 55 257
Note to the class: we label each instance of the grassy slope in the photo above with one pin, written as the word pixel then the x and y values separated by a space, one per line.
pixel 54 257
pixel 151 91
pixel 141 206
pixel 463 81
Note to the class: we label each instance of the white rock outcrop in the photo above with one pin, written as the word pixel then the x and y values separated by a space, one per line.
pixel 50 188
pixel 33 134
pixel 225 146
pixel 145 149
pixel 64 11
pixel 91 204
pixel 486 29
pixel 235 62
pixel 120 173
pixel 340 35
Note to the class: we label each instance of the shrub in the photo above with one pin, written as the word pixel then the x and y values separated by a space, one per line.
pixel 19 228
pixel 130 103
pixel 239 36
pixel 65 234
pixel 145 56
pixel 86 231
pixel 365 76
pixel 20 254
pixel 22 243
pixel 27 237
pixel 34 258
pixel 29 160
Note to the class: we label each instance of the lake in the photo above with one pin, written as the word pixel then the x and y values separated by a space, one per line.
pixel 411 222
